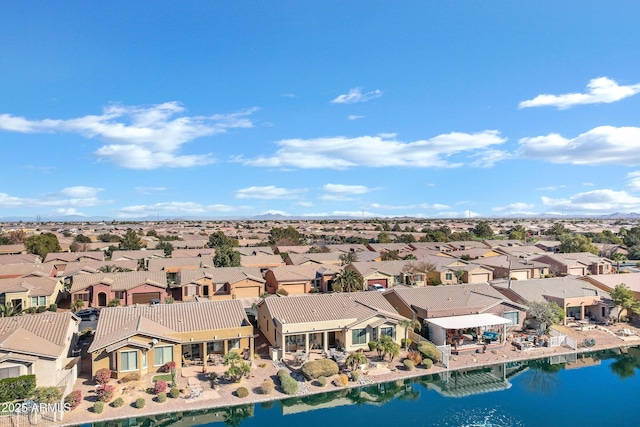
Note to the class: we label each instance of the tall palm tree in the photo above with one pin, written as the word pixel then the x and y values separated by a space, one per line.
pixel 347 281
pixel 618 258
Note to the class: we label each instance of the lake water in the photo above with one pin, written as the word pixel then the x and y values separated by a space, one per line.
pixel 595 389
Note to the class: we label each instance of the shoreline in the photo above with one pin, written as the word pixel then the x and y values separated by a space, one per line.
pixel 457 363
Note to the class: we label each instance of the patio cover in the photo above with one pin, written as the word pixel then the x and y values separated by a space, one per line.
pixel 468 321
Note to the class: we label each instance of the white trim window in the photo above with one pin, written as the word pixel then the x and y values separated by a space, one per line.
pixel 128 361
pixel 513 316
pixel 388 331
pixel 162 355
pixel 38 301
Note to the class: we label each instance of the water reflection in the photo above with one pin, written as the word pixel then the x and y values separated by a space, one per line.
pixel 539 377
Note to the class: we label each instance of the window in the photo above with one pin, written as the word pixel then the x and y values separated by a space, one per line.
pixel 119 295
pixel 38 301
pixel 10 372
pixel 144 360
pixel 128 361
pixel 358 336
pixel 81 297
pixel 215 347
pixel 448 276
pixel 387 330
pixel 234 344
pixel 205 291
pixel 190 290
pixel 513 316
pixel 162 355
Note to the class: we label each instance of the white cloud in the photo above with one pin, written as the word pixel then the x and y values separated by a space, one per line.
pixel 268 192
pixel 550 188
pixel 226 208
pixel 515 208
pixel 341 192
pixel 355 95
pixel 588 184
pixel 454 214
pixel 149 190
pixel 176 208
pixel 596 202
pixel 599 90
pixel 435 206
pixel 354 117
pixel 79 196
pixel 488 158
pixel 355 214
pixel 139 137
pixel 305 204
pixel 376 151
pixel 68 211
pixel 598 146
pixel 634 181
pixel 389 207
pixel 276 212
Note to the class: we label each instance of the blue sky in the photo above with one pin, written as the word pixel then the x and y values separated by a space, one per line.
pixel 430 109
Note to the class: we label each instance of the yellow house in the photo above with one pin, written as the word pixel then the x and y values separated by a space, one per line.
pixel 141 339
pixel 30 292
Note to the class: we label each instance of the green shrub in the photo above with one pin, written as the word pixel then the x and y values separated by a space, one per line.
pixel 283 371
pixel 117 402
pixel 355 376
pixel 320 368
pixel 427 363
pixel 17 388
pixel 289 385
pixel 73 399
pixel 429 351
pixel 47 394
pixel 53 307
pixel 140 402
pixel 174 393
pixel 372 345
pixel 282 292
pixel 407 342
pixel 105 393
pixel 98 407
pixel 242 392
pixel 408 364
pixel 321 381
pixel 162 397
pixel 41 309
pixel 267 386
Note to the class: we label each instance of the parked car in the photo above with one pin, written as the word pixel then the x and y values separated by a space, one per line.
pixel 154 302
pixel 88 314
pixel 376 287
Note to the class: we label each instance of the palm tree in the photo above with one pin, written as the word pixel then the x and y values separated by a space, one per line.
pixel 77 305
pixel 347 281
pixel 406 324
pixel 618 258
pixel 348 258
pixel 354 359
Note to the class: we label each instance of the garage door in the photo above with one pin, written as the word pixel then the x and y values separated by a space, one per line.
pixel 519 275
pixel 478 278
pixel 382 282
pixel 294 288
pixel 576 271
pixel 248 292
pixel 145 297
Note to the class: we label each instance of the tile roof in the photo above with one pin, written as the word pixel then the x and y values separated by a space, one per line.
pixel 293 273
pixel 164 263
pixel 221 275
pixel 141 254
pixel 261 260
pixel 19 258
pixel 166 320
pixel 90 267
pixel 24 269
pixel 557 287
pixel 308 308
pixel 35 286
pixel 632 280
pixel 38 334
pixel 121 281
pixel 73 256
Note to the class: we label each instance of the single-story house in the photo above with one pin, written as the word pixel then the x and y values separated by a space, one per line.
pixel 30 292
pixel 314 258
pixel 579 299
pixel 8 271
pixel 173 266
pixel 300 279
pixel 142 256
pixel 193 253
pixel 218 283
pixel 445 309
pixel 388 273
pixel 20 259
pixel 40 345
pixel 135 287
pixel 261 261
pixel 92 267
pixel 61 259
pixel 576 264
pixel 323 321
pixel 607 282
pixel 141 339
pixel 255 250
pixel 505 267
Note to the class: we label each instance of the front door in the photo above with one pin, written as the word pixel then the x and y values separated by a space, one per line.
pixel 102 299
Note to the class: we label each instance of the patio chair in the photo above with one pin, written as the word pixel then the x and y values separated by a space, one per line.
pixel 185 361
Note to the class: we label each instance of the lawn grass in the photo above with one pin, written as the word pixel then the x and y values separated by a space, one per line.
pixel 166 377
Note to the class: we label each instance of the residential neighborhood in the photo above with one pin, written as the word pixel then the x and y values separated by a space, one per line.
pixel 141 307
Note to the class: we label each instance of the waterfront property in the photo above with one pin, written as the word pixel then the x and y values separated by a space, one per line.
pixel 141 339
pixel 320 322
pixel 40 344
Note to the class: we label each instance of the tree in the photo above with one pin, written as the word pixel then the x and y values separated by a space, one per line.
pixel 418 267
pixel 518 233
pixel 42 244
pixel 557 229
pixel 578 243
pixel 459 274
pixel 76 305
pixel 8 310
pixel 16 237
pixel 4 240
pixel 392 255
pixel 226 257
pixel 285 236
pixel 348 258
pixel 406 238
pixel 110 268
pixel 81 238
pixel 130 241
pixel 623 298
pixel 546 313
pixel 219 239
pixel 354 359
pixel 618 257
pixel 347 281
pixel 483 230
pixel 383 237
pixel 166 247
pixel 108 238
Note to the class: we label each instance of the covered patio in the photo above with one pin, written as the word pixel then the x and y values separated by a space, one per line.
pixel 469 332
